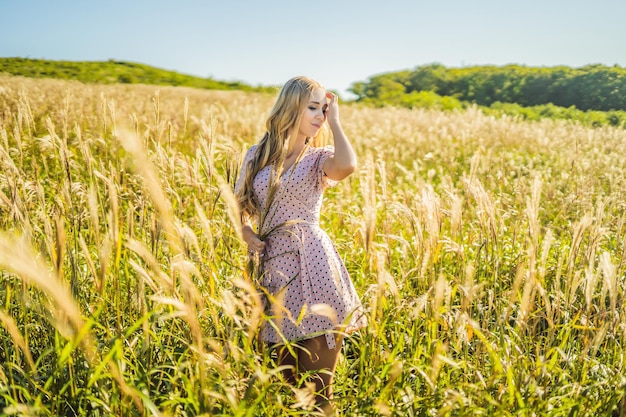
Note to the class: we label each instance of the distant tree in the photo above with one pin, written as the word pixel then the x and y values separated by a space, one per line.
pixel 386 87
pixel 593 87
pixel 429 78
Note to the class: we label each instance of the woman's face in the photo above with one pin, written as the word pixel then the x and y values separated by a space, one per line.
pixel 314 114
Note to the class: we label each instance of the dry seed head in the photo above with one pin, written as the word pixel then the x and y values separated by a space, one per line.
pixel 152 184
pixel 18 340
pixel 610 285
pixel 232 207
pixel 17 257
pixel 368 190
pixel 140 249
pixel 455 213
pixel 385 280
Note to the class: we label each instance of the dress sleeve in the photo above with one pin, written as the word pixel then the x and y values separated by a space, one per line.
pixel 244 165
pixel 322 178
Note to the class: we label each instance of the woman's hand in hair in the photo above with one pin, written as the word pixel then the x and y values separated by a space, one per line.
pixel 332 112
pixel 343 162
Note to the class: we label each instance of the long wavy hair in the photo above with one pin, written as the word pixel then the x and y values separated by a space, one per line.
pixel 282 124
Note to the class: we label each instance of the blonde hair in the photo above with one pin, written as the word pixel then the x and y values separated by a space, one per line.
pixel 282 122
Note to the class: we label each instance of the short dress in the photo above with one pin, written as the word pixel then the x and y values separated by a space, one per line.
pixel 309 291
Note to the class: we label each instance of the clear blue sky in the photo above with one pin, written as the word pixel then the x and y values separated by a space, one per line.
pixel 337 42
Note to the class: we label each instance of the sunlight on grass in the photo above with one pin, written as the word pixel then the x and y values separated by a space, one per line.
pixel 489 254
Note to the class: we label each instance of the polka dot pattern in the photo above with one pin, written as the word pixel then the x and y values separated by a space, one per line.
pixel 309 289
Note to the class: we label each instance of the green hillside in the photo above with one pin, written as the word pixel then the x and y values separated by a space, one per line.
pixel 111 72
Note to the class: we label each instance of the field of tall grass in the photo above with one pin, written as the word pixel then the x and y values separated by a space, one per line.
pixel 489 254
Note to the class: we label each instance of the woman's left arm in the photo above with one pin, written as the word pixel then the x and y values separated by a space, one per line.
pixel 343 162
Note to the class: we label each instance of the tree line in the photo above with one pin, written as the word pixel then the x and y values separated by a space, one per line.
pixel 592 87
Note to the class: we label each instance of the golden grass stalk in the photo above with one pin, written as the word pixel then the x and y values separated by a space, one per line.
pixel 18 340
pixel 17 257
pixel 527 302
pixel 251 297
pixel 578 232
pixel 455 213
pixel 430 208
pixel 147 256
pixel 232 207
pixel 469 290
pixel 368 190
pixel 205 225
pixel 610 283
pixel 385 283
pixel 486 209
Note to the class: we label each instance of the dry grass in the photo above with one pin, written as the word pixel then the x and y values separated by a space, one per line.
pixel 488 252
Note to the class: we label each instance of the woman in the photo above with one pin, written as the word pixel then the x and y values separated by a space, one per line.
pixel 309 295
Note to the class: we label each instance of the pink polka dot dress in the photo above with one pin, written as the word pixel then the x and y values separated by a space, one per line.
pixel 309 290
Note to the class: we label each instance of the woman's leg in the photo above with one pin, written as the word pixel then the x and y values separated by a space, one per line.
pixel 289 363
pixel 316 356
pixel 313 355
